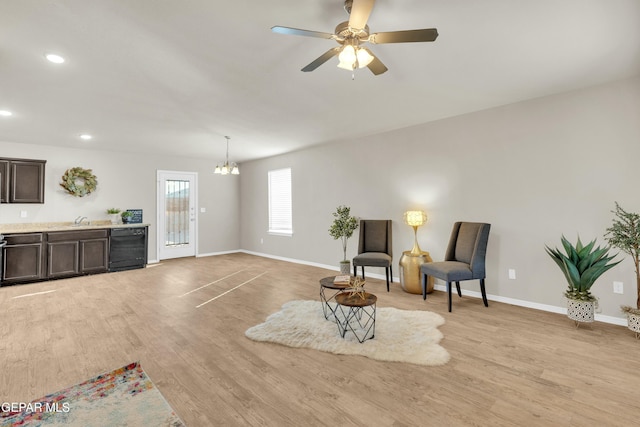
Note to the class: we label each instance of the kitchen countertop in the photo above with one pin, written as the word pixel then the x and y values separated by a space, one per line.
pixel 43 227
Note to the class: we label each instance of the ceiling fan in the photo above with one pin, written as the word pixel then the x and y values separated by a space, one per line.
pixel 352 34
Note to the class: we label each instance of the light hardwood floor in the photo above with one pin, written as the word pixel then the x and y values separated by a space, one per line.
pixel 510 366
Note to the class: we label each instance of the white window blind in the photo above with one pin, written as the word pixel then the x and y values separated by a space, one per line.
pixel 280 216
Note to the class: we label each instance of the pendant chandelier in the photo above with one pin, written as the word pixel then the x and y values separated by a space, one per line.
pixel 227 168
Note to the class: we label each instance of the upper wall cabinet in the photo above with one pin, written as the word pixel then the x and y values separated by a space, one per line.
pixel 21 180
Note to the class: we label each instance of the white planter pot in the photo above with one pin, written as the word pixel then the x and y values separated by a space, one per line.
pixel 345 267
pixel 580 311
pixel 115 218
pixel 633 323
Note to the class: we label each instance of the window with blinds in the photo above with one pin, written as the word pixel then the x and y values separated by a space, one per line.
pixel 280 216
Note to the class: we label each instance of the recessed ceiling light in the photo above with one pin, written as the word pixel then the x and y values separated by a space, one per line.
pixel 85 136
pixel 56 59
pixel 5 113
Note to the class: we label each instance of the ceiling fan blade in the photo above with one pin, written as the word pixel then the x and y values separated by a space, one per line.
pixel 376 66
pixel 425 35
pixel 297 32
pixel 322 59
pixel 360 11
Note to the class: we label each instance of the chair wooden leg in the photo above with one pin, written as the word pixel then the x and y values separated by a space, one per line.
pixel 355 270
pixel 386 270
pixel 484 293
pixel 424 286
pixel 391 273
pixel 449 293
pixel 363 272
pixel 458 289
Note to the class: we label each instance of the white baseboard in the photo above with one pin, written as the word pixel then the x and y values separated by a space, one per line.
pixel 534 305
pixel 217 253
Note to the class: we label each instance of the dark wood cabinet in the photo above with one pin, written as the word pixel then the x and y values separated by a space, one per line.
pixel 22 180
pixel 4 181
pixel 62 259
pixel 70 253
pixel 30 257
pixel 23 258
pixel 94 255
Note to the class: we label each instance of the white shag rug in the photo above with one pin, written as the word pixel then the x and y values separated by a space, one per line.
pixel 400 335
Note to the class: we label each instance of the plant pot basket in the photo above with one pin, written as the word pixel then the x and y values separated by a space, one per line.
pixel 580 311
pixel 633 323
pixel 345 267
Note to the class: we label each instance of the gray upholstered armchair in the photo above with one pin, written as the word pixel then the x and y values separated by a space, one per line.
pixel 374 247
pixel 464 260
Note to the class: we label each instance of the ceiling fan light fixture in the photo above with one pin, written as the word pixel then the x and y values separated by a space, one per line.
pixel 348 55
pixel 353 57
pixel 346 66
pixel 364 58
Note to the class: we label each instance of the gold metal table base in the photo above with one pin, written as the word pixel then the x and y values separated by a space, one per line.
pixel 410 275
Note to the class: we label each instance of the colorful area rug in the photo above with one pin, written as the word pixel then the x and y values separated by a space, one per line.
pixel 400 335
pixel 124 397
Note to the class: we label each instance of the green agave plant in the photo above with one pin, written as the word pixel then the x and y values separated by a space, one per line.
pixel 582 265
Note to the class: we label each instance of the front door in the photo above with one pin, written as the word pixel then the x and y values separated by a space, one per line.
pixel 177 203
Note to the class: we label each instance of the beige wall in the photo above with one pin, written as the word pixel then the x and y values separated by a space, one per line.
pixel 128 181
pixel 535 170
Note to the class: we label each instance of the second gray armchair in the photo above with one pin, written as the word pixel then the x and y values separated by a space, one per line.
pixel 464 259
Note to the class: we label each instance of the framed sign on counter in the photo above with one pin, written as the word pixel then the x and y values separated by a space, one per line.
pixel 137 216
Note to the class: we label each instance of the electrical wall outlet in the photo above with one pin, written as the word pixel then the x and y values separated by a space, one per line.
pixel 618 288
pixel 512 274
pixel 23 214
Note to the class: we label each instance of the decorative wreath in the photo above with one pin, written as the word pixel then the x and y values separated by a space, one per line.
pixel 79 182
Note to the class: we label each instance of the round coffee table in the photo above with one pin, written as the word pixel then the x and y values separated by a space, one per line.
pixel 356 313
pixel 327 283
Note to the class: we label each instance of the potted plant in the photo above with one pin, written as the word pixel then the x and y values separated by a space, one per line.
pixel 624 234
pixel 126 217
pixel 342 228
pixel 582 265
pixel 113 214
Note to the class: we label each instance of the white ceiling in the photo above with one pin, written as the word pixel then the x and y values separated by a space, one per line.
pixel 175 76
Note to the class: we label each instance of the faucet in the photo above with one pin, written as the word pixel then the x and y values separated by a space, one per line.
pixel 78 220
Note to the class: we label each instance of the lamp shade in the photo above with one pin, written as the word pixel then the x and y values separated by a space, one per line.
pixel 348 55
pixel 415 218
pixel 364 58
